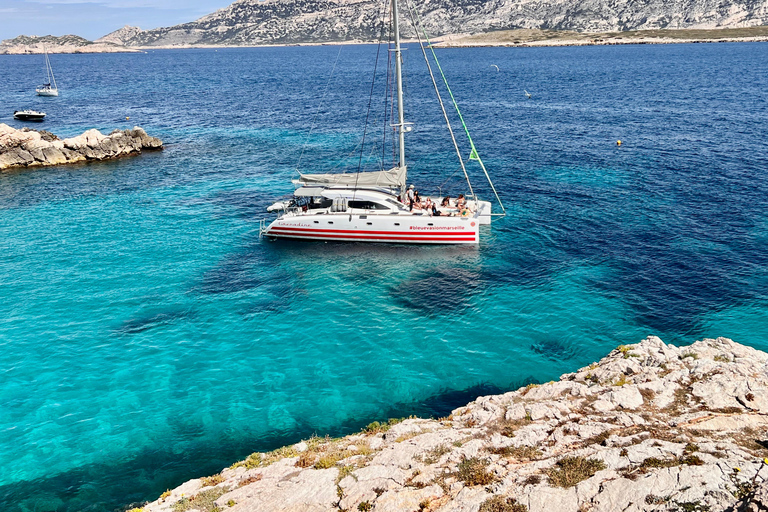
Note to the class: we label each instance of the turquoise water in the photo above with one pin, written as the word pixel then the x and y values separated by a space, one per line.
pixel 149 336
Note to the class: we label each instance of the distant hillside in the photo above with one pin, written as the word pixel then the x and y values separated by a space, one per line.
pixel 57 44
pixel 120 36
pixel 252 22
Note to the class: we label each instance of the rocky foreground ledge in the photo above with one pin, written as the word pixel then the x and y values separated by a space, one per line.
pixel 649 427
pixel 28 148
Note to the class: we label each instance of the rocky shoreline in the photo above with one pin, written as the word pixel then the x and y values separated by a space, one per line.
pixel 30 148
pixel 114 43
pixel 649 427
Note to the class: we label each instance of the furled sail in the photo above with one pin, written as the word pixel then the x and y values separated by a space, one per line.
pixel 393 178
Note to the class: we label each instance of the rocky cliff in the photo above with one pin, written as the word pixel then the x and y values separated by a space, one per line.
pixel 251 22
pixel 649 427
pixel 30 148
pixel 60 44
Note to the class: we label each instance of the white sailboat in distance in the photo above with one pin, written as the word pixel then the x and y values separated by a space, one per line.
pixel 49 87
pixel 376 206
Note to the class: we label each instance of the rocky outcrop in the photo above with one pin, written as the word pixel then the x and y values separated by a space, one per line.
pixel 28 148
pixel 61 44
pixel 253 22
pixel 120 36
pixel 649 427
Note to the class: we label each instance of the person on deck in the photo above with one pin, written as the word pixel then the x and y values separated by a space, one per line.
pixel 409 197
pixel 429 205
pixel 461 203
pixel 416 201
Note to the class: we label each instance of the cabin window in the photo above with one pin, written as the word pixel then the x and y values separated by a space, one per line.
pixel 396 204
pixel 430 224
pixel 367 205
pixel 397 223
pixel 369 223
pixel 330 222
pixel 317 222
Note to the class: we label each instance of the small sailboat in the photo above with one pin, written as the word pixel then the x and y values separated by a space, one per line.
pixel 49 87
pixel 375 206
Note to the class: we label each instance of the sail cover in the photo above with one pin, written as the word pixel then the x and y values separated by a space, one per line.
pixel 394 177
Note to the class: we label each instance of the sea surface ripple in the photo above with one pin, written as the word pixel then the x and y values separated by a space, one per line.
pixel 148 336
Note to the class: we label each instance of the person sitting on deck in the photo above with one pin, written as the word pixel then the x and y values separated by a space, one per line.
pixel 428 205
pixel 446 202
pixel 461 202
pixel 416 201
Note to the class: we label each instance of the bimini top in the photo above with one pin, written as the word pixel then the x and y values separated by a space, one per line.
pixel 393 178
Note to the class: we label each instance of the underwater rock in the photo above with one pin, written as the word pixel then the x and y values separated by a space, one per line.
pixel 31 148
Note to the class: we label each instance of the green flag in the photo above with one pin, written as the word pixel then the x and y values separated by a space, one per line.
pixel 473 154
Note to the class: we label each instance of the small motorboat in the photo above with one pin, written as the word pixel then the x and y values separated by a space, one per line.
pixel 28 115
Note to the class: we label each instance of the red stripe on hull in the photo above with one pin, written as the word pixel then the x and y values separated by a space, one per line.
pixel 377 240
pixel 352 238
pixel 320 236
pixel 365 232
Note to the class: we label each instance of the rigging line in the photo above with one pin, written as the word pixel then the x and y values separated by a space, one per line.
pixel 439 98
pixel 473 154
pixel 449 179
pixel 317 111
pixel 370 97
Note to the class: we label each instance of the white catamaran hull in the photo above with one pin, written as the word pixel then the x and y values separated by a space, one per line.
pixel 400 229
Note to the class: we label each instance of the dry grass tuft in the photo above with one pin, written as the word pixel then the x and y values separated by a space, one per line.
pixel 571 470
pixel 210 481
pixel 474 471
pixel 517 452
pixel 250 480
pixel 203 501
pixel 502 504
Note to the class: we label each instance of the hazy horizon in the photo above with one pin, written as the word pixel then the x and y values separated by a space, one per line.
pixel 96 18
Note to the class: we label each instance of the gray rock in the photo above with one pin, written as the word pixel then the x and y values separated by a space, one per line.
pixel 23 148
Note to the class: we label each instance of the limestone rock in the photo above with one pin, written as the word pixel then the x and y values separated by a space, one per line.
pixel 249 22
pixel 669 438
pixel 26 147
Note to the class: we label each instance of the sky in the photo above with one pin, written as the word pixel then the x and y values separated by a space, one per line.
pixel 92 19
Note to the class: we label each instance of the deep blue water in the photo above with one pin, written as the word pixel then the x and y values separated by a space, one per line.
pixel 147 335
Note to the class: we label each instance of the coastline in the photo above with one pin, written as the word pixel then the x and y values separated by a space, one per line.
pixel 503 38
pixel 651 426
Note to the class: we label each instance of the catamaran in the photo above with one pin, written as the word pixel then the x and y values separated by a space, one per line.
pixel 49 88
pixel 376 206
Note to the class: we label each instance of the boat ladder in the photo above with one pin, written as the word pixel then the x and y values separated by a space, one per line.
pixel 262 227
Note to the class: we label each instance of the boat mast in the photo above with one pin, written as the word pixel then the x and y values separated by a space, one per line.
pixel 399 79
pixel 50 71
